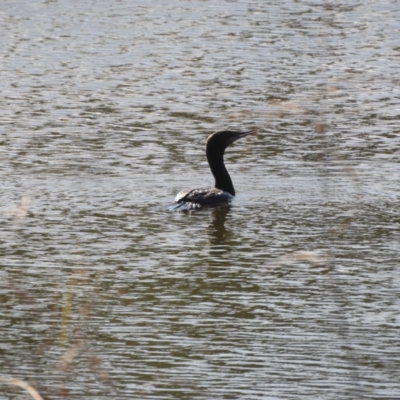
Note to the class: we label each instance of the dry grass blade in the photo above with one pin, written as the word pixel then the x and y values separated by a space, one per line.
pixel 311 257
pixel 17 382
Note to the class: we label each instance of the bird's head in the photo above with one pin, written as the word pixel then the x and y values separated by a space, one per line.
pixel 222 139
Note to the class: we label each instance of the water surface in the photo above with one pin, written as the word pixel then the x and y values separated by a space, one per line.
pixel 292 291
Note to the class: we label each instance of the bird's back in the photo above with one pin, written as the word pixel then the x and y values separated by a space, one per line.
pixel 203 196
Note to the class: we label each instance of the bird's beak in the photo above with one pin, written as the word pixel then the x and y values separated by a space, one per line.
pixel 242 134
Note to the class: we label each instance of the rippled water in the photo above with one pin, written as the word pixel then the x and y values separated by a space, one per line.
pixel 292 292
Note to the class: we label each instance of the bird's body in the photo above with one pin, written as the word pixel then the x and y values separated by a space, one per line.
pixel 203 196
pixel 223 191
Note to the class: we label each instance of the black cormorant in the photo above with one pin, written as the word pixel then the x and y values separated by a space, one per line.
pixel 223 191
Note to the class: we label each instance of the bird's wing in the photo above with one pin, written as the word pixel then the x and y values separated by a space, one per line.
pixel 203 196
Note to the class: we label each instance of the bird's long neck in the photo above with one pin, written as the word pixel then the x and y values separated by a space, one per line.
pixel 215 159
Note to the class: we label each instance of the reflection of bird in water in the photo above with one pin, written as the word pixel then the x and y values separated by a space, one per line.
pixel 218 234
pixel 223 191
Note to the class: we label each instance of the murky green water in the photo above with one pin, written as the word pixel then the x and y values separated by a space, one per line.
pixel 292 292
